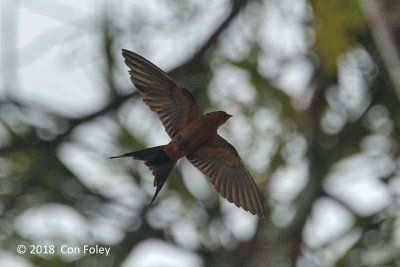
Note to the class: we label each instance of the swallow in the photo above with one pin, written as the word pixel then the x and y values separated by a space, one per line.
pixel 193 135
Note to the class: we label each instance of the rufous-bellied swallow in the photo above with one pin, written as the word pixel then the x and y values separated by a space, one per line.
pixel 193 135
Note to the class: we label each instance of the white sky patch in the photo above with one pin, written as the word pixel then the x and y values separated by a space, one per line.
pixel 287 39
pixel 143 123
pixel 266 120
pixel 328 221
pixel 171 31
pixel 59 224
pixel 254 147
pixel 352 90
pixel 266 129
pixel 59 63
pixel 56 64
pixel 329 253
pixel 67 91
pixel 283 41
pixel 241 130
pixel 241 223
pixel 294 150
pixel 10 259
pixel 197 184
pixel 239 37
pixel 95 172
pixel 106 230
pixel 220 235
pixel 294 80
pixel 260 153
pixel 53 222
pixel 230 86
pixel 365 196
pixel 166 212
pixel 154 252
pixel 185 233
pixel 97 136
pixel 287 181
pixel 355 182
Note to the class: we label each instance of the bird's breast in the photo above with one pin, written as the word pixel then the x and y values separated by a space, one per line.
pixel 189 139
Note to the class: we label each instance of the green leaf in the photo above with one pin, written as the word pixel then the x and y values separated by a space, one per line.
pixel 339 23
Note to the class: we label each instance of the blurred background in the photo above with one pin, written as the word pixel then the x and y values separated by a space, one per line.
pixel 314 87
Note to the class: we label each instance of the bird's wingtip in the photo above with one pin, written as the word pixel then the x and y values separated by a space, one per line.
pixel 125 52
pixel 121 156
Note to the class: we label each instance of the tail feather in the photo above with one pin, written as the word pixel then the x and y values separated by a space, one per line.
pixel 158 189
pixel 158 161
pixel 145 154
pixel 162 172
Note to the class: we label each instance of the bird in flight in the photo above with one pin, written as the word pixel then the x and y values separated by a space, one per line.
pixel 193 135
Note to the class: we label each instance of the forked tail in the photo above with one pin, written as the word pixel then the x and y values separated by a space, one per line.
pixel 158 161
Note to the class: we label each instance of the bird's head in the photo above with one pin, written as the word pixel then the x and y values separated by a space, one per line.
pixel 220 117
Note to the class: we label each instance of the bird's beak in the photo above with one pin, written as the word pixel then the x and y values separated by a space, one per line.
pixel 230 115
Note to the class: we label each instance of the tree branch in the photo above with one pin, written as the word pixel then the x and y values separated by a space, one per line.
pixel 384 41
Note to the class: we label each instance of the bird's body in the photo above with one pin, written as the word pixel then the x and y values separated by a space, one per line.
pixel 193 135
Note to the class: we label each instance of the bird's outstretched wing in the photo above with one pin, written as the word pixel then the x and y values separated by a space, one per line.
pixel 226 171
pixel 173 104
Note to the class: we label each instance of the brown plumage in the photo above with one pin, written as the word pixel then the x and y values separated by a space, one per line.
pixel 194 136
